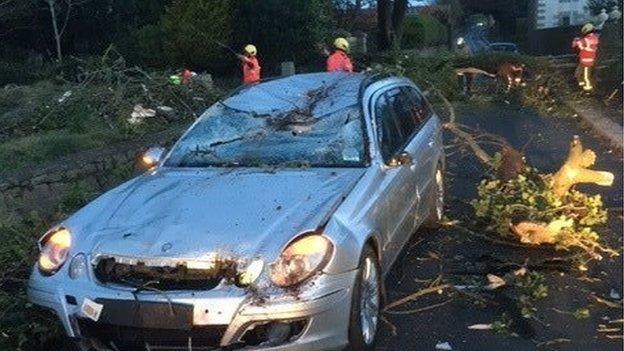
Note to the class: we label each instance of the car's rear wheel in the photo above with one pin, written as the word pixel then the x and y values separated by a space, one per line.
pixel 436 213
pixel 366 303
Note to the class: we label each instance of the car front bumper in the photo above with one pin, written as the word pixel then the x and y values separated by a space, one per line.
pixel 324 303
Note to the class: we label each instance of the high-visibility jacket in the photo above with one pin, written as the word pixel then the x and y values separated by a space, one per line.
pixel 339 61
pixel 251 69
pixel 587 47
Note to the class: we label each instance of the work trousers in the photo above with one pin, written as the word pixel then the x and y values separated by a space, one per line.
pixel 583 76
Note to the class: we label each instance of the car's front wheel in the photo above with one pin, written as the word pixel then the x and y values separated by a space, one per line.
pixel 366 303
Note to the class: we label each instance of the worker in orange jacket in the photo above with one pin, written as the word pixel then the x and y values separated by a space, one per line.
pixel 586 47
pixel 339 60
pixel 250 65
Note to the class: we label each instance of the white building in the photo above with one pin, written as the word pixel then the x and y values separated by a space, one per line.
pixel 559 13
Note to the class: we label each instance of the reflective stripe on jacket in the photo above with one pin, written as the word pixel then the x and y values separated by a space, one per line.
pixel 339 61
pixel 251 70
pixel 587 46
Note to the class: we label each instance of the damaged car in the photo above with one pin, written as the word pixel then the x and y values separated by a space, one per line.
pixel 269 224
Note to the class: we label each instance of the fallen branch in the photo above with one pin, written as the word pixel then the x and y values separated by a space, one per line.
pixel 415 295
pixel 418 310
pixel 393 328
pixel 488 238
pixel 607 302
pixel 469 140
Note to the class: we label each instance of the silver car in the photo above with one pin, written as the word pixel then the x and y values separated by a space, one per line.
pixel 269 225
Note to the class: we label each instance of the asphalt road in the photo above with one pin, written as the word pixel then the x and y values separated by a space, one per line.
pixel 453 256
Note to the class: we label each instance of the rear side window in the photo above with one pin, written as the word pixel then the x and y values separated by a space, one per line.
pixel 388 129
pixel 419 107
pixel 400 112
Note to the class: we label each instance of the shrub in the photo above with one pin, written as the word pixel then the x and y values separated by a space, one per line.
pixel 425 70
pixel 25 72
pixel 48 146
pixel 423 31
pixel 191 31
pixel 23 326
pixel 144 45
pixel 283 30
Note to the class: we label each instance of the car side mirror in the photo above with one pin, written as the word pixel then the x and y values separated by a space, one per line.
pixel 151 157
pixel 401 159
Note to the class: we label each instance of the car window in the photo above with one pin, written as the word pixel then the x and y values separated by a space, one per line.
pixel 388 129
pixel 403 114
pixel 419 107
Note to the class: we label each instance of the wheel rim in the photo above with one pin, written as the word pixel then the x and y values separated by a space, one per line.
pixel 439 207
pixel 369 301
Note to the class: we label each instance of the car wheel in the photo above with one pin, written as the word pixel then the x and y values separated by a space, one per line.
pixel 366 303
pixel 436 213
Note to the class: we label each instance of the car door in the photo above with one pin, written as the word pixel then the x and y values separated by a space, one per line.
pixel 397 194
pixel 424 146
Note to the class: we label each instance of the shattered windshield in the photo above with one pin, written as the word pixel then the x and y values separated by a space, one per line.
pixel 228 137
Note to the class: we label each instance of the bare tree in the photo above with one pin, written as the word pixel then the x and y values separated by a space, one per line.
pixel 60 11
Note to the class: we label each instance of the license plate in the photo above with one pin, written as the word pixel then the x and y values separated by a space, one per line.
pixel 143 314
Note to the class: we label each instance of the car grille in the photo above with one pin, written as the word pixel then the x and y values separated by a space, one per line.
pixel 176 276
pixel 125 338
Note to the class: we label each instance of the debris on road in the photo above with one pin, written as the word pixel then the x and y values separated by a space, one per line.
pixel 495 282
pixel 443 346
pixel 139 113
pixel 614 295
pixel 480 327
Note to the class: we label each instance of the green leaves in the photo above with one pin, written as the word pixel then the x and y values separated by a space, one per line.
pixel 581 313
pixel 529 197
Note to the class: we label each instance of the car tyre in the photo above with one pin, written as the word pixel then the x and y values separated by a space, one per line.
pixel 436 212
pixel 366 303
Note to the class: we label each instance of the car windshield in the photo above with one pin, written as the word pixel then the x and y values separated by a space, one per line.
pixel 228 137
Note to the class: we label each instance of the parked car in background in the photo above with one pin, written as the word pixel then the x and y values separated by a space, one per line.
pixel 270 224
pixel 504 47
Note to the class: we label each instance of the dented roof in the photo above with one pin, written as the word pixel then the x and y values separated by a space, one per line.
pixel 335 91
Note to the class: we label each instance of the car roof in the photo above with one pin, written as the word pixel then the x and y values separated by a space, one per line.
pixel 324 92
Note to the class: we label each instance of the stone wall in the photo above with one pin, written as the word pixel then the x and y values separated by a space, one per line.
pixel 42 187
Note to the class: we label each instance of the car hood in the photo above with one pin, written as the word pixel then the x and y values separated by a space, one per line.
pixel 196 213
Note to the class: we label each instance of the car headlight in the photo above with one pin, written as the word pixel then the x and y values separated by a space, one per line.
pixel 301 259
pixel 54 248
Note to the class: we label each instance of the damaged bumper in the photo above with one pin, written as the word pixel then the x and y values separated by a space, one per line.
pixel 316 317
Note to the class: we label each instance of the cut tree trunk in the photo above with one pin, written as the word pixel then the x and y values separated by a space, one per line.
pixel 575 170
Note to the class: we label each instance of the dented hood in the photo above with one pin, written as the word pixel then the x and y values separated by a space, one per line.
pixel 194 213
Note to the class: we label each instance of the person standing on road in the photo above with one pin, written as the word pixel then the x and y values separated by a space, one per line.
pixel 339 61
pixel 250 65
pixel 586 48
